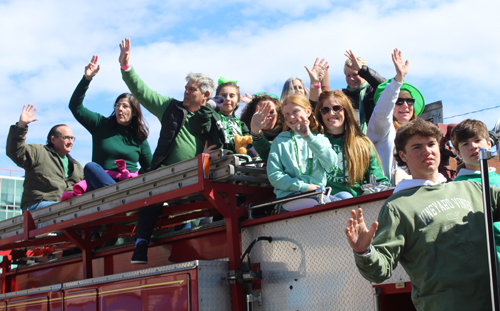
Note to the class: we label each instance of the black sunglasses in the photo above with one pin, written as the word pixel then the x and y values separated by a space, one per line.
pixel 409 101
pixel 326 110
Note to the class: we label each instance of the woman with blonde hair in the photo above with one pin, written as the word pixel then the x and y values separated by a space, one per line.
pixel 299 158
pixel 357 158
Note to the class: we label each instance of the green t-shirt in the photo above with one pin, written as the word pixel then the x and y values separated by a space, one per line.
pixel 65 163
pixel 185 146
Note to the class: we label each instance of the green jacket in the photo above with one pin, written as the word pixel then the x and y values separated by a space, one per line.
pixel 437 233
pixel 337 179
pixel 209 125
pixel 44 177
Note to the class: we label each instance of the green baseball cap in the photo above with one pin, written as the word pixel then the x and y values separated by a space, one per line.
pixel 419 105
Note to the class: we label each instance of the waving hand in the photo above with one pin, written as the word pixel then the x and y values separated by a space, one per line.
pixel 358 235
pixel 92 68
pixel 124 52
pixel 27 116
pixel 402 68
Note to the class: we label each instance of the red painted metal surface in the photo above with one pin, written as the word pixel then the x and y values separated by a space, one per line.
pixel 205 245
pixel 395 297
pixel 169 291
pixel 395 288
pixel 38 302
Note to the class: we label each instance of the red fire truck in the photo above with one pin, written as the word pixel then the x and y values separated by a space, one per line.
pixel 294 261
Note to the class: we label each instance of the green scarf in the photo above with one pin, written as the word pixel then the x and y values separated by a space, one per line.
pixel 362 92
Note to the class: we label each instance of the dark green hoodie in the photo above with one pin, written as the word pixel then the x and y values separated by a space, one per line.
pixel 212 126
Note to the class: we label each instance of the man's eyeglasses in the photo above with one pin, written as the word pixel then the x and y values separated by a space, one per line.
pixel 326 109
pixel 409 101
pixel 262 94
pixel 72 138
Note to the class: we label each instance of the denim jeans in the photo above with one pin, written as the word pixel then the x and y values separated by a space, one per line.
pixel 96 176
pixel 39 205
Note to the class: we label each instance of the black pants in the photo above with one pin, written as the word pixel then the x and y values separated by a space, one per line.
pixel 147 221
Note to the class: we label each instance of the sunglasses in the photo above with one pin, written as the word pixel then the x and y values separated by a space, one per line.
pixel 326 109
pixel 409 101
pixel 262 94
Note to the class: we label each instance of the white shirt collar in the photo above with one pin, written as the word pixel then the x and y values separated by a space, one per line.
pixel 410 183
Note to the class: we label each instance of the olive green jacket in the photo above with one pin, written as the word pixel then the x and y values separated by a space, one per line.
pixel 44 177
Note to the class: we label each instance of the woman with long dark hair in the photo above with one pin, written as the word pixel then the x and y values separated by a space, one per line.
pixel 261 116
pixel 118 141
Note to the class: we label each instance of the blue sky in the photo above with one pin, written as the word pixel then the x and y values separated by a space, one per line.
pixel 452 46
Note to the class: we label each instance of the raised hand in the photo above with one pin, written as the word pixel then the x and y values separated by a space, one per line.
pixel 358 236
pixel 92 68
pixel 318 71
pixel 259 118
pixel 124 52
pixel 356 66
pixel 246 99
pixel 401 67
pixel 27 115
pixel 302 127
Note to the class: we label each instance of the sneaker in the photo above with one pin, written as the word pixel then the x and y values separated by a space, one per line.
pixel 140 255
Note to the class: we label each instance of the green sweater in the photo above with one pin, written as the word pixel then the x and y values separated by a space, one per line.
pixel 185 146
pixel 437 233
pixel 44 178
pixel 466 174
pixel 337 179
pixel 263 147
pixel 285 164
pixel 208 124
pixel 109 143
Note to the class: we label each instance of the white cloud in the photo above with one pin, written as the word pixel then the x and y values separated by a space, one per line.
pixel 451 46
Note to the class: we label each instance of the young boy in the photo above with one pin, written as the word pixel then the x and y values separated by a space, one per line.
pixel 468 137
pixel 434 229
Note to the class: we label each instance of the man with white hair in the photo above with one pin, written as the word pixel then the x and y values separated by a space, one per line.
pixel 175 143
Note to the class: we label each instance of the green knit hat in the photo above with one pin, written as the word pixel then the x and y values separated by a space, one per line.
pixel 414 92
